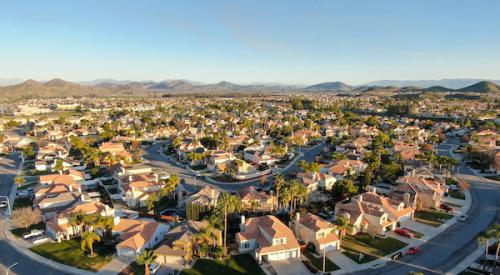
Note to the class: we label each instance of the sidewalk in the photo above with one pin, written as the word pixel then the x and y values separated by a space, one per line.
pixel 116 265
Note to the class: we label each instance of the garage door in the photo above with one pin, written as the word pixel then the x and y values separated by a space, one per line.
pixel 278 256
pixel 173 260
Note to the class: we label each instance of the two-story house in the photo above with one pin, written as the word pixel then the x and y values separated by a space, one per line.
pixel 313 229
pixel 267 239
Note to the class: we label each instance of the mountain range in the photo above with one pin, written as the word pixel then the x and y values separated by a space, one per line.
pixel 109 87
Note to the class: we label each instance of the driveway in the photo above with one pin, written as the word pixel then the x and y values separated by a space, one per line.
pixel 290 267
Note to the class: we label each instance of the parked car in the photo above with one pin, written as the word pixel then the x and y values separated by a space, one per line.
pixel 412 250
pixel 3 204
pixel 41 240
pixel 23 193
pixel 403 232
pixel 32 233
pixel 154 267
pixel 463 218
pixel 453 187
pixel 445 207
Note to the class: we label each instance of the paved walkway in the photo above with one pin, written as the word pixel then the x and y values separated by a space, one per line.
pixel 290 267
pixel 116 265
pixel 340 259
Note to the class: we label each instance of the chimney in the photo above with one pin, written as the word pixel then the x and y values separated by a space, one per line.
pixel 70 187
pixel 360 198
pixel 129 178
pixel 242 223
pixel 106 209
pixel 82 197
pixel 374 190
pixel 406 199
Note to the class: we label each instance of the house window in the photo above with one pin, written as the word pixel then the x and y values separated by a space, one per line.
pixel 321 235
pixel 246 245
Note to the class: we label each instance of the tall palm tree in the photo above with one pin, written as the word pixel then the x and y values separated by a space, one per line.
pixel 106 223
pixel 88 239
pixel 227 204
pixel 342 224
pixel 278 183
pixel 76 220
pixel 484 238
pixel 146 258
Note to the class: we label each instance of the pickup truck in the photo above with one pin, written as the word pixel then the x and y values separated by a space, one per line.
pixel 32 233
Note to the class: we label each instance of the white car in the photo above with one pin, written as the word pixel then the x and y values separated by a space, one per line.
pixel 3 204
pixel 153 268
pixel 463 218
pixel 33 233
pixel 41 240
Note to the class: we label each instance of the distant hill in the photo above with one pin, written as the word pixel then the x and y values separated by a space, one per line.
pixel 481 87
pixel 438 89
pixel 61 88
pixel 455 83
pixel 329 86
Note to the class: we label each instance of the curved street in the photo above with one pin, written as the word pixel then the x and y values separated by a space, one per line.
pixel 446 250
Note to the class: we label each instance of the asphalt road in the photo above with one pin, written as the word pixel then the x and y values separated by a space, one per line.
pixel 8 255
pixel 158 160
pixel 447 249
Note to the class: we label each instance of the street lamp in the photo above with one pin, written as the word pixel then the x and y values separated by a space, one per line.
pixel 11 266
pixel 8 204
pixel 194 180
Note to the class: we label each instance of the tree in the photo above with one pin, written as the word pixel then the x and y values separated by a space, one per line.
pixel 76 220
pixel 19 182
pixel 25 217
pixel 151 202
pixel 227 204
pixel 87 241
pixel 342 224
pixel 484 238
pixel 278 183
pixel 146 258
pixel 345 187
pixel 106 223
pixel 59 165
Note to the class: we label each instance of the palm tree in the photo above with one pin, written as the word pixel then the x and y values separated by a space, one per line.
pixel 76 220
pixel 278 183
pixel 342 224
pixel 227 203
pixel 146 258
pixel 151 202
pixel 484 238
pixel 88 239
pixel 106 223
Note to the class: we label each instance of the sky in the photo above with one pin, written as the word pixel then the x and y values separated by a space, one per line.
pixel 289 42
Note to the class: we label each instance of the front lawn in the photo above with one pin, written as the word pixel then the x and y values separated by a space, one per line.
pixel 236 265
pixel 432 217
pixel 69 253
pixel 371 247
pixel 318 262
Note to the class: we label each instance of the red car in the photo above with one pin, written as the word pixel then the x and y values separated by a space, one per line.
pixel 403 232
pixel 412 250
pixel 446 207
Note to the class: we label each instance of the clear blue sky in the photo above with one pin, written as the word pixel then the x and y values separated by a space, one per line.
pixel 295 42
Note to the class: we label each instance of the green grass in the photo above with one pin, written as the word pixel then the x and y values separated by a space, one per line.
pixel 27 185
pixel 432 217
pixel 497 178
pixel 457 195
pixel 318 262
pixel 372 247
pixel 69 253
pixel 454 205
pixel 236 265
pixel 18 232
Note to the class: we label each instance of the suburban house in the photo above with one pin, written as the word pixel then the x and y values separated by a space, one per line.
pixel 316 181
pixel 254 200
pixel 137 235
pixel 136 188
pixel 422 192
pixel 343 168
pixel 373 214
pixel 60 227
pixel 179 243
pixel 267 238
pixel 206 198
pixel 312 229
pixel 219 157
pixel 116 150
